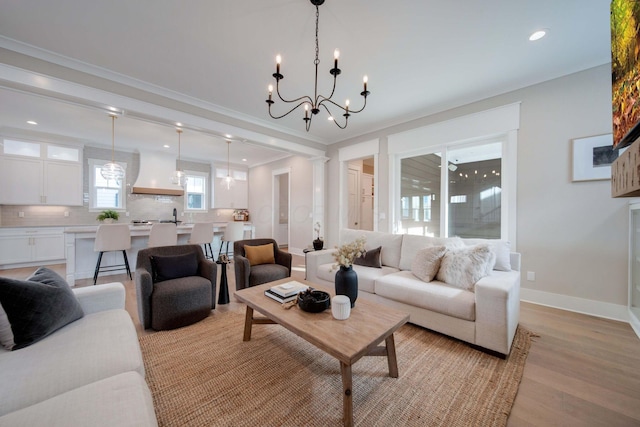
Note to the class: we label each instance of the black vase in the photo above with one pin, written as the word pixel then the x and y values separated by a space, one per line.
pixel 347 283
pixel 318 244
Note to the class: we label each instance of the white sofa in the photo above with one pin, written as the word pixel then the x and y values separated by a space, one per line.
pixel 88 373
pixel 486 316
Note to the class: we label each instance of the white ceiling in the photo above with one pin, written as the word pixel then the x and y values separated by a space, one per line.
pixel 421 57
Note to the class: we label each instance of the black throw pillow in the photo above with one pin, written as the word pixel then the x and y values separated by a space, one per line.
pixel 371 258
pixel 167 267
pixel 38 306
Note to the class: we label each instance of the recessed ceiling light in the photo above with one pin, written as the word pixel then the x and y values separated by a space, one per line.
pixel 32 122
pixel 178 124
pixel 244 160
pixel 166 146
pixel 537 35
pixel 226 135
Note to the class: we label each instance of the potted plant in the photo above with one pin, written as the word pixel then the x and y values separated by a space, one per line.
pixel 318 243
pixel 108 216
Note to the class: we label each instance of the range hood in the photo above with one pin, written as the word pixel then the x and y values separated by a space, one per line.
pixel 154 176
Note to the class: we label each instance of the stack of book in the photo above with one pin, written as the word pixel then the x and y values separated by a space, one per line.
pixel 286 291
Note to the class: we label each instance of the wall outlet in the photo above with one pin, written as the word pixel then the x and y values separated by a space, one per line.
pixel 20 214
pixel 66 213
pixel 126 214
pixel 531 276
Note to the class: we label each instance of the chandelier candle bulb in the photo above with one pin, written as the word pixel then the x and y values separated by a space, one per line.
pixel 365 79
pixel 278 60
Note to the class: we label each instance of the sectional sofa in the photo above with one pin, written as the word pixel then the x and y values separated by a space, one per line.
pixel 485 315
pixel 88 373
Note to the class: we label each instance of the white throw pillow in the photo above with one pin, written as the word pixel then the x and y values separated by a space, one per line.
pixel 463 267
pixel 6 334
pixel 426 263
pixel 502 249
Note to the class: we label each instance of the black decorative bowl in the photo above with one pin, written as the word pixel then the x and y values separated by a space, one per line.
pixel 314 301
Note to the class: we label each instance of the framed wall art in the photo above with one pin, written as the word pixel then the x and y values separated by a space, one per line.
pixel 592 157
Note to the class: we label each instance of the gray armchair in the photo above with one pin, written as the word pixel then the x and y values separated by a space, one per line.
pixel 251 275
pixel 175 286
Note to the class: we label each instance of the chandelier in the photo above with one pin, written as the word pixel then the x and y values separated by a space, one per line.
pixel 178 177
pixel 314 104
pixel 112 170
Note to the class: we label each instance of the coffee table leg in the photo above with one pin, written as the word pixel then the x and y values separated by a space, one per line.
pixel 347 398
pixel 391 356
pixel 248 322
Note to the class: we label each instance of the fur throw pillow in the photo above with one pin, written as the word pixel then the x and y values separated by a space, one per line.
pixel 463 267
pixel 426 263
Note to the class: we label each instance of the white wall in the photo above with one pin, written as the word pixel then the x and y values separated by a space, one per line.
pixel 301 202
pixel 572 235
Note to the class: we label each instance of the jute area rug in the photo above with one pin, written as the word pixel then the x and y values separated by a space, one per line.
pixel 205 375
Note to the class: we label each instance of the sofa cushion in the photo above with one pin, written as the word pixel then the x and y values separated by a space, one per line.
pixel 167 267
pixel 38 306
pixel 261 254
pixel 371 258
pixel 122 400
pixel 501 248
pixel 367 276
pixel 390 243
pixel 95 347
pixel 411 244
pixel 463 267
pixel 426 263
pixel 404 287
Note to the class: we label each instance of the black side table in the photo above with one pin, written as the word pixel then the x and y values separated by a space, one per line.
pixel 223 294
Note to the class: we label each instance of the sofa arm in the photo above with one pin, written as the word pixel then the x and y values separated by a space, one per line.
pixel 144 288
pixel 314 259
pixel 109 296
pixel 497 310
pixel 284 258
pixel 209 270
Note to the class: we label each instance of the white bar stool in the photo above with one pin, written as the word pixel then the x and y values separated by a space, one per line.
pixel 163 234
pixel 233 232
pixel 202 234
pixel 112 237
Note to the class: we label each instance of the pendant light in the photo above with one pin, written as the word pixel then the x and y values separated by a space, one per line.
pixel 112 170
pixel 178 177
pixel 228 182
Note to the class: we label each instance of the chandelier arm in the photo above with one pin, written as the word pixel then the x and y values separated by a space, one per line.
pixel 357 111
pixel 288 112
pixel 333 117
pixel 306 97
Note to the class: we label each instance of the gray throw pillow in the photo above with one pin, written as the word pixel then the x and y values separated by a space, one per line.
pixel 167 267
pixel 371 258
pixel 38 306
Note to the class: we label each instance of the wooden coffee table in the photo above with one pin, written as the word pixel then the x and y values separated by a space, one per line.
pixel 347 340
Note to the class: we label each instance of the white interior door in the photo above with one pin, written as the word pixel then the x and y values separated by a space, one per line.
pixel 354 199
pixel 366 205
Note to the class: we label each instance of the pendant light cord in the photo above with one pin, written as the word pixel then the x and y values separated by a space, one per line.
pixel 113 137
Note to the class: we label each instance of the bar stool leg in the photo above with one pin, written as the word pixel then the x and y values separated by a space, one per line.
pixel 95 274
pixel 126 263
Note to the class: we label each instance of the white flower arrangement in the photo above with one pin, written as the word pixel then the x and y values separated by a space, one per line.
pixel 317 228
pixel 347 253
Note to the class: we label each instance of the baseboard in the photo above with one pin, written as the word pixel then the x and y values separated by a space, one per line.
pixel 579 305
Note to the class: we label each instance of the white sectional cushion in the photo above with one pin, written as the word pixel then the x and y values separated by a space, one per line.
pixel 95 347
pixel 404 287
pixel 426 263
pixel 411 244
pixel 123 400
pixel 463 267
pixel 367 276
pixel 390 243
pixel 501 248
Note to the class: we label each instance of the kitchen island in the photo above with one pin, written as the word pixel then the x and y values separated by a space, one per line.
pixel 81 258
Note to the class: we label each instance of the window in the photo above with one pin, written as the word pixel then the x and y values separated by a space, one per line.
pixel 472 181
pixel 105 194
pixel 195 194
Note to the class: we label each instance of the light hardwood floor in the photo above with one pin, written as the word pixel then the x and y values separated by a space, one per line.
pixel 581 370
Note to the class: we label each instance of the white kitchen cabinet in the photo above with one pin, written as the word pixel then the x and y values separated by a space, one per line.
pixel 235 198
pixel 44 180
pixel 30 245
